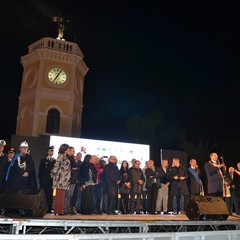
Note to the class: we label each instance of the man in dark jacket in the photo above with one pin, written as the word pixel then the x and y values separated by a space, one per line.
pixel 214 171
pixel 21 171
pixel 178 183
pixel 227 189
pixel 4 163
pixel 151 186
pixel 235 188
pixel 194 181
pixel 163 191
pixel 76 198
pixel 45 176
pixel 112 180
pixel 73 182
pixel 136 180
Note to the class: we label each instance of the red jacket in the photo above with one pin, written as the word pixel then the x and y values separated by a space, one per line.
pixel 99 169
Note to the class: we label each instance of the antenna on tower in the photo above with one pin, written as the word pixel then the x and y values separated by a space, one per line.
pixel 61 26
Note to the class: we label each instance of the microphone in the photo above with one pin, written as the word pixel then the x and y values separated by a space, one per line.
pixel 222 163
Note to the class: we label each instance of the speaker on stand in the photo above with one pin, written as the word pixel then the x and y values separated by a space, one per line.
pixel 206 208
pixel 23 203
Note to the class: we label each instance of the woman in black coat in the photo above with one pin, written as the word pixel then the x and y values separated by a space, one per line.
pixel 124 187
pixel 88 175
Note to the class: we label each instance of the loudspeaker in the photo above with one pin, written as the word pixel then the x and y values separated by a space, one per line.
pixel 206 208
pixel 23 203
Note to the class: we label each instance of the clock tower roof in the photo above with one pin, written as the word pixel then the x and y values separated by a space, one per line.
pixel 56 44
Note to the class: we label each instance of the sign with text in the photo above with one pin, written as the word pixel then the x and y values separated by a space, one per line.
pixel 122 150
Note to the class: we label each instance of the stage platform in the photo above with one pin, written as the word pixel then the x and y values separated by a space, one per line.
pixel 113 224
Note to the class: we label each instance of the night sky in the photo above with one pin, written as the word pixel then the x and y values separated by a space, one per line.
pixel 180 57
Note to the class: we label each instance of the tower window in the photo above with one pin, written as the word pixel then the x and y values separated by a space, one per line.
pixel 53 121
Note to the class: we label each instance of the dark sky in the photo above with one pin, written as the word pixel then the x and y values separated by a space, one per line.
pixel 179 57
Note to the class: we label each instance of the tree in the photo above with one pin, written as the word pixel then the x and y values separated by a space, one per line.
pixel 145 128
pixel 200 151
pixel 150 129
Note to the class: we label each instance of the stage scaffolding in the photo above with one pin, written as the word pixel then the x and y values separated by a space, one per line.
pixel 233 235
pixel 104 227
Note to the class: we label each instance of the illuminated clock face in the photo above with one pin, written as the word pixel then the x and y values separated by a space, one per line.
pixel 57 76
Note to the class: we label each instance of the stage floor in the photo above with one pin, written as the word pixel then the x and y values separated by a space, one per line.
pixel 130 217
pixel 105 224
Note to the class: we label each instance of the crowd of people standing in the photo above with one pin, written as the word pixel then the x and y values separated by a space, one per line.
pixel 94 185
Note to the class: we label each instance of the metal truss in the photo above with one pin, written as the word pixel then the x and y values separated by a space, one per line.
pixel 54 226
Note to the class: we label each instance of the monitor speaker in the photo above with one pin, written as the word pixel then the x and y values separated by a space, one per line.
pixel 23 203
pixel 206 208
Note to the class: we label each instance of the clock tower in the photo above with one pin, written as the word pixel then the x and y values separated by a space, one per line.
pixel 51 98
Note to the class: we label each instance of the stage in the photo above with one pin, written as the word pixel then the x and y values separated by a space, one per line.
pixel 87 226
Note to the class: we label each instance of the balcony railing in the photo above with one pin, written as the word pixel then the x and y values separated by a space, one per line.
pixel 55 44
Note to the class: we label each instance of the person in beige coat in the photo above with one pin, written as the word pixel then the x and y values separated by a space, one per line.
pixel 61 174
